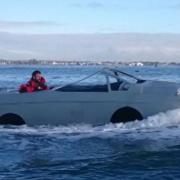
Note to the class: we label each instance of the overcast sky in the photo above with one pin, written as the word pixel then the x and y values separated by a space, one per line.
pixel 123 30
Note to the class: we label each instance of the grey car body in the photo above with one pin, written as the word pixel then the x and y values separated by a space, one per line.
pixel 124 99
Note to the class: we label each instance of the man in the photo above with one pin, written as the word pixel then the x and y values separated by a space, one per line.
pixel 36 83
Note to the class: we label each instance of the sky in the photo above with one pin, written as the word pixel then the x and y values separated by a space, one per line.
pixel 49 18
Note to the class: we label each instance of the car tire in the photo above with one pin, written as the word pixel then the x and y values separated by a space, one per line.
pixel 11 119
pixel 126 114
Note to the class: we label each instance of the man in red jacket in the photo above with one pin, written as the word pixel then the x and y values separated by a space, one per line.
pixel 36 83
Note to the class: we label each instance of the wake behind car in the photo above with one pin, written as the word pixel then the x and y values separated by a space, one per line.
pixel 114 96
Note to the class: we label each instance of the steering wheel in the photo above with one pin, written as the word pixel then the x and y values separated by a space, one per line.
pixel 124 86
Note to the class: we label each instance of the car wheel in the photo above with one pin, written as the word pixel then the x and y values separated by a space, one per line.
pixel 11 119
pixel 126 114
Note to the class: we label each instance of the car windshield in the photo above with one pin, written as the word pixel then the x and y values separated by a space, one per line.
pixel 99 81
pixel 95 82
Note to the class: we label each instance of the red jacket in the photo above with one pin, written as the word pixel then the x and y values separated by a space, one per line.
pixel 33 85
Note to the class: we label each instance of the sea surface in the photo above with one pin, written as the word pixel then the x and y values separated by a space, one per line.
pixel 149 149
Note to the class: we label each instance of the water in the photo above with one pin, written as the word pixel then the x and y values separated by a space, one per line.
pixel 137 150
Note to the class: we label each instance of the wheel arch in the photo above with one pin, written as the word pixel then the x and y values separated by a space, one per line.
pixel 126 114
pixel 11 119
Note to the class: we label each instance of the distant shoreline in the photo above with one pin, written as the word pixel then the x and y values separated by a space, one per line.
pixel 82 63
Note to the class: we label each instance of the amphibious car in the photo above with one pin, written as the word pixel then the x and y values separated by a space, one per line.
pixel 114 96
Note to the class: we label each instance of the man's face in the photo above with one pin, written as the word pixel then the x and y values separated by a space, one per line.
pixel 37 77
